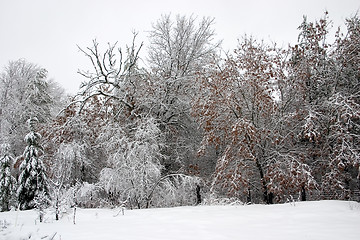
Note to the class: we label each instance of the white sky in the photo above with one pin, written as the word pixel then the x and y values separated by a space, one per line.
pixel 46 32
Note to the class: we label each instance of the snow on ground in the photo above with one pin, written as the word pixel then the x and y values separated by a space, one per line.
pixel 305 220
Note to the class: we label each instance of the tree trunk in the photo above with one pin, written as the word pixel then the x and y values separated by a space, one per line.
pixel 303 193
pixel 347 184
pixel 198 195
pixel 268 197
pixel 57 206
pixel 74 219
pixel 41 214
pixel 249 195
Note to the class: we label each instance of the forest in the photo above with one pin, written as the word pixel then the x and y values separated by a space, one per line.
pixel 187 123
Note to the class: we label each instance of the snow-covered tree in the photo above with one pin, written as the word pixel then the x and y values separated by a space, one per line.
pixel 134 164
pixel 135 174
pixel 326 77
pixel 25 92
pixel 7 181
pixel 236 109
pixel 343 109
pixel 67 170
pixel 180 47
pixel 32 179
pixel 113 79
pixel 68 164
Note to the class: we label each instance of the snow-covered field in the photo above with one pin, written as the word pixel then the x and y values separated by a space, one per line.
pixel 306 220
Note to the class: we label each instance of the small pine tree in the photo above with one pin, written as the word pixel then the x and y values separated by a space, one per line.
pixel 32 179
pixel 7 182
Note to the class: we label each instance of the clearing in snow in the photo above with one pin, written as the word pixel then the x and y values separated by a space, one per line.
pixel 302 220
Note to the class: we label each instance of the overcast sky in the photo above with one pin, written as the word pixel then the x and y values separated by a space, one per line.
pixel 47 32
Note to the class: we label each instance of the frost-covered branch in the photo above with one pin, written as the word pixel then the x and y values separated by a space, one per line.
pixel 111 74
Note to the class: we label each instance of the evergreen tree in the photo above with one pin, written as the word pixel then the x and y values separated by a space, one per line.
pixel 7 182
pixel 32 179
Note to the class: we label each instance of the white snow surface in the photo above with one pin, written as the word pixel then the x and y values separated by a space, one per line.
pixel 304 220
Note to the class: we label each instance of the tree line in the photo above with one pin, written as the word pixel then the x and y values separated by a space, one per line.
pixel 261 124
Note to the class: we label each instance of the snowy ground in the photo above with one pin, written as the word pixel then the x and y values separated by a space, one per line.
pixel 306 220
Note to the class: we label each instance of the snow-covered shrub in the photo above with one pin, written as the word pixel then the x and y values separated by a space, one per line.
pixel 62 199
pixel 41 202
pixel 214 199
pixel 175 190
pixel 134 163
pixel 89 195
pixel 134 172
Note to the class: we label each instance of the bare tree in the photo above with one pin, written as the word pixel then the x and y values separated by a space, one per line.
pixel 179 49
pixel 112 77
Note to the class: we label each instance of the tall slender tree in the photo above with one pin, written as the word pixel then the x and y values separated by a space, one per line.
pixel 32 179
pixel 7 181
